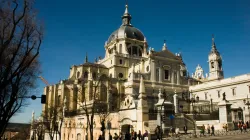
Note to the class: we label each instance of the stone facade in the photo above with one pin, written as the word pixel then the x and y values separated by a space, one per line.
pixel 134 74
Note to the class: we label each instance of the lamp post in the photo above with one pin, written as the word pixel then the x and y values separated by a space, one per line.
pixel 192 101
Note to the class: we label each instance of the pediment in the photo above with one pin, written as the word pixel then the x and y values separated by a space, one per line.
pixel 166 54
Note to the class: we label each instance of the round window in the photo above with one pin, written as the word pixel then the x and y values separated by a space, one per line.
pixel 120 75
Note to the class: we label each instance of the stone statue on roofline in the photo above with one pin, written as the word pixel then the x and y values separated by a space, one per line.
pixel 224 96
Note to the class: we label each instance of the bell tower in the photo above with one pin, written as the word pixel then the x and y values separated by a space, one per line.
pixel 215 63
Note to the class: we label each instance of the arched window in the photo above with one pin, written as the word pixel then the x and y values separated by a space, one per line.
pixel 59 99
pixel 103 95
pixel 129 50
pixel 78 136
pixel 78 74
pixel 212 64
pixel 85 74
pixel 135 51
pixel 120 75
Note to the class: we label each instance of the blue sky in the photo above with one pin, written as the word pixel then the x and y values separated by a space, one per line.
pixel 75 27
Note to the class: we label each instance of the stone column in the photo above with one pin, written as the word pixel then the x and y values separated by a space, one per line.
pixel 160 74
pixel 178 77
pixel 224 116
pixel 176 104
pixel 152 71
pixel 172 77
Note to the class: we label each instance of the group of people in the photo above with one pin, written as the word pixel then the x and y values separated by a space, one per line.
pixel 128 136
pixel 241 126
pixel 209 129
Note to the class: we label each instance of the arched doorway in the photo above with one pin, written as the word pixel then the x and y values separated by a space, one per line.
pixel 126 129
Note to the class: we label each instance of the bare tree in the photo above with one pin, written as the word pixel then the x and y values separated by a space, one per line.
pixel 39 129
pixel 52 121
pixel 95 106
pixel 20 41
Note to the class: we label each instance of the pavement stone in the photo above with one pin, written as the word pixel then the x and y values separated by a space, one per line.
pixel 220 135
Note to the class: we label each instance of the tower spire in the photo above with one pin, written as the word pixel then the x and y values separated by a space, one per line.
pixel 126 7
pixel 126 16
pixel 86 58
pixel 214 49
pixel 213 43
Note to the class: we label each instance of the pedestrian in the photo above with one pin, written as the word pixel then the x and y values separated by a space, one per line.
pixel 145 135
pixel 100 137
pixel 110 136
pixel 245 127
pixel 157 132
pixel 120 136
pixel 139 135
pixel 185 129
pixel 116 137
pixel 135 136
pixel 203 130
pixel 127 136
pixel 212 129
pixel 241 127
pixel 208 128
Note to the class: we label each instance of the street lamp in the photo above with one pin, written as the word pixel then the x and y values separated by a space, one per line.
pixel 192 101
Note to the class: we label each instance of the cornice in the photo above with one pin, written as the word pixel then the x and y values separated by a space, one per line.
pixel 218 86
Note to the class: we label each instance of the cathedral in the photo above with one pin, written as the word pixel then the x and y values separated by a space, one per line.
pixel 133 85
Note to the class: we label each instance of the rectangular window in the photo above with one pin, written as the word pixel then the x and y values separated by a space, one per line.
pixel 205 95
pixel 218 93
pixel 120 49
pixel 233 91
pixel 249 88
pixel 166 75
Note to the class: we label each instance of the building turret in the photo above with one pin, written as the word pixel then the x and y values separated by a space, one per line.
pixel 215 63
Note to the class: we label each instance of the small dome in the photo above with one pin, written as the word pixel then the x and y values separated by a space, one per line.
pixel 126 31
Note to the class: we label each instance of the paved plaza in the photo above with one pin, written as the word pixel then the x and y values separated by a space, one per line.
pixel 231 135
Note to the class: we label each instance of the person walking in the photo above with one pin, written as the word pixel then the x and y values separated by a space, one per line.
pixel 208 129
pixel 110 136
pixel 145 135
pixel 116 137
pixel 185 129
pixel 212 129
pixel 203 130
pixel 157 132
pixel 245 127
pixel 139 135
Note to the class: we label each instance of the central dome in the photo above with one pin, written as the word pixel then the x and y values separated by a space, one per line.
pixel 126 30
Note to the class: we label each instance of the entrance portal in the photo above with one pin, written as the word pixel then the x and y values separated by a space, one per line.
pixel 126 128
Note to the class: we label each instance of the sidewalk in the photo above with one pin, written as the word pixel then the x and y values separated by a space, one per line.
pixel 220 133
